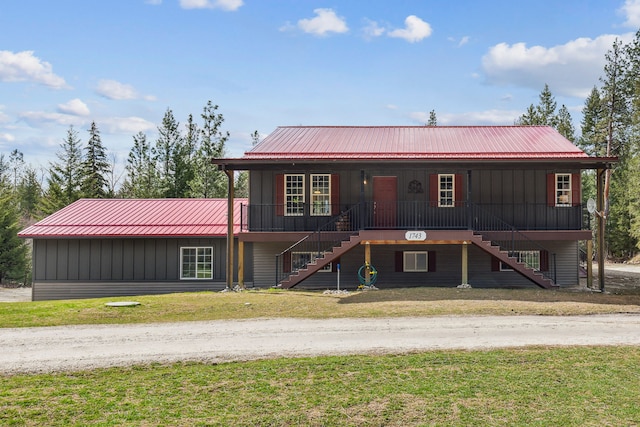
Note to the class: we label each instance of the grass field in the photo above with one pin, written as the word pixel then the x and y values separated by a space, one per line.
pixel 269 303
pixel 575 386
pixel 525 387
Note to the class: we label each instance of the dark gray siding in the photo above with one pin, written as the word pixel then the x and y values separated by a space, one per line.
pixel 79 268
pixel 448 268
pixel 518 197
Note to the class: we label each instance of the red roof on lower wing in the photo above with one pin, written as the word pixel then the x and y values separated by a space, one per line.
pixel 138 218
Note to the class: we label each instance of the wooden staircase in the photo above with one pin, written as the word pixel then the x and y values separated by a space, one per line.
pixel 315 265
pixel 528 272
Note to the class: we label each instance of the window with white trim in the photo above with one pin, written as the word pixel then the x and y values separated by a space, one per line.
pixel 415 261
pixel 196 263
pixel 301 259
pixel 563 189
pixel 320 195
pixel 530 258
pixel 294 195
pixel 446 190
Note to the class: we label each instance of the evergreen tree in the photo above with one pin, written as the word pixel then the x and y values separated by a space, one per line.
pixel 543 114
pixel 593 131
pixel 433 121
pixel 29 193
pixel 16 163
pixel 564 124
pixel 167 155
pixel 184 155
pixel 209 181
pixel 95 167
pixel 614 96
pixel 142 178
pixel 13 251
pixel 65 175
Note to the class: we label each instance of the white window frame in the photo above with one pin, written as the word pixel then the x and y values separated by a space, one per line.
pixel 410 261
pixel 311 256
pixel 563 189
pixel 320 195
pixel 199 263
pixel 446 196
pixel 530 258
pixel 294 201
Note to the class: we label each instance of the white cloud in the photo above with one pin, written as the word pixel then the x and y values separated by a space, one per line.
pixel 631 10
pixel 372 29
pixel 40 118
pixel 228 5
pixel 126 125
pixel 488 117
pixel 7 137
pixel 25 67
pixel 570 69
pixel 75 107
pixel 415 30
pixel 326 21
pixel 115 90
pixel 153 2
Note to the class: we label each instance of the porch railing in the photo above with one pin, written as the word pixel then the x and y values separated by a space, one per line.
pixel 415 215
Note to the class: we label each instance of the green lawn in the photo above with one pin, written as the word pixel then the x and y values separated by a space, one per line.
pixel 526 387
pixel 268 303
pixel 575 386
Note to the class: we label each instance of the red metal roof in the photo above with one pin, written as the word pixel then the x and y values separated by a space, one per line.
pixel 414 142
pixel 138 218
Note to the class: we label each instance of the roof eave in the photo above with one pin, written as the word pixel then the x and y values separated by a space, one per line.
pixel 579 161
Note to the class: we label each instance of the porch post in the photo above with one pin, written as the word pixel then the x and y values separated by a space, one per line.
pixel 230 197
pixel 241 264
pixel 590 263
pixel 601 222
pixel 465 263
pixel 367 263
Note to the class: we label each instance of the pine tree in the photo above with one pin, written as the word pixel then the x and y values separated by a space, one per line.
pixel 95 167
pixel 209 181
pixel 543 114
pixel 593 131
pixel 433 120
pixel 13 251
pixel 166 151
pixel 65 175
pixel 29 193
pixel 142 178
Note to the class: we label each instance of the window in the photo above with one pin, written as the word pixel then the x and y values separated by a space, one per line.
pixel 446 190
pixel 416 261
pixel 529 258
pixel 301 259
pixel 321 195
pixel 294 195
pixel 196 263
pixel 563 189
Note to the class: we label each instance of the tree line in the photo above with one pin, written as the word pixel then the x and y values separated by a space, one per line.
pixel 176 165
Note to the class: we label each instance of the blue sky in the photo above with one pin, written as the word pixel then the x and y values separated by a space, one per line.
pixel 268 63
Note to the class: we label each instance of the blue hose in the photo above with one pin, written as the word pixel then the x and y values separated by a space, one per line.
pixel 373 275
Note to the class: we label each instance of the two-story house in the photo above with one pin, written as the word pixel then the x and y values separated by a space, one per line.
pixel 414 206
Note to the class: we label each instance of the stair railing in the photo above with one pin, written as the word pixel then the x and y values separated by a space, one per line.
pixel 313 246
pixel 511 239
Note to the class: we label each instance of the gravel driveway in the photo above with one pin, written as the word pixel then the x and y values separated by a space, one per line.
pixel 47 349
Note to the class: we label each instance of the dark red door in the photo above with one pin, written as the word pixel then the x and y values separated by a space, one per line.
pixel 385 196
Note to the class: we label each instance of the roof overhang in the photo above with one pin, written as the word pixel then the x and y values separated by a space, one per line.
pixel 579 162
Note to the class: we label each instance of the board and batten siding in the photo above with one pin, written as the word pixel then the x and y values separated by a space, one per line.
pixel 447 270
pixel 84 268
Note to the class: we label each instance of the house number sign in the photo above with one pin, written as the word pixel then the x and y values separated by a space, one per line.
pixel 415 235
